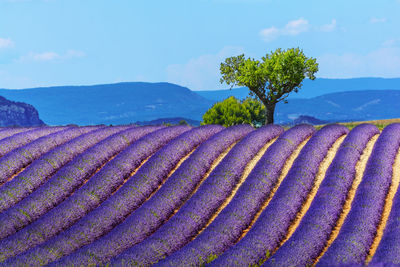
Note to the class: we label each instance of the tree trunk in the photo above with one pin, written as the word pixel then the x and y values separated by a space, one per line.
pixel 269 113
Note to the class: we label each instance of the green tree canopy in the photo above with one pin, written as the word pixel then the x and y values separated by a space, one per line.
pixel 272 79
pixel 256 109
pixel 231 111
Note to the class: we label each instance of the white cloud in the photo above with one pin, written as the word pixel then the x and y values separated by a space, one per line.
pixel 6 43
pixel 45 56
pixel 383 62
pixel 269 34
pixel 295 27
pixel 51 56
pixel 391 42
pixel 74 53
pixel 377 20
pixel 201 73
pixel 328 27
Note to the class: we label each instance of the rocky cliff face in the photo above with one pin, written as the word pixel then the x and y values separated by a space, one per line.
pixel 18 114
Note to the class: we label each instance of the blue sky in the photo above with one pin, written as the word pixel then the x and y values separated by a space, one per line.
pixel 73 42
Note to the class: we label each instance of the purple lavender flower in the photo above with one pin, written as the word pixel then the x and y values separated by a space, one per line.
pixel 196 212
pixel 359 228
pixel 60 185
pixel 41 169
pixel 227 227
pixel 388 251
pixel 129 197
pixel 310 237
pixel 17 140
pixel 154 212
pixel 8 131
pixel 270 228
pixel 19 158
pixel 85 198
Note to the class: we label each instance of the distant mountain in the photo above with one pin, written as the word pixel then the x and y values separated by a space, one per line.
pixel 343 106
pixel 309 120
pixel 18 114
pixel 126 103
pixel 318 87
pixel 172 121
pixel 120 103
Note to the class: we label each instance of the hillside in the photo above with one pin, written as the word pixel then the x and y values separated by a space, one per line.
pixel 18 114
pixel 318 87
pixel 172 121
pixel 120 103
pixel 126 103
pixel 344 106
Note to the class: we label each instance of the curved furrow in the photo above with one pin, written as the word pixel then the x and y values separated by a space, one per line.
pixel 159 208
pixel 258 188
pixel 394 186
pixel 7 132
pixel 13 162
pixel 197 212
pixel 360 168
pixel 20 139
pixel 88 196
pixel 360 226
pixel 289 202
pixel 62 184
pixel 310 237
pixel 41 169
pixel 388 250
pixel 129 197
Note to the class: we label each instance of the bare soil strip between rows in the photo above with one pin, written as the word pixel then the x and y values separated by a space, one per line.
pixel 323 167
pixel 16 174
pixel 285 170
pixel 129 176
pixel 249 167
pixel 360 167
pixel 170 173
pixel 387 207
pixel 205 176
pixel 216 162
pixel 91 175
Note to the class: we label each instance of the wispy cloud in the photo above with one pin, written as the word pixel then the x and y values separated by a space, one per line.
pixel 328 27
pixel 391 42
pixel 377 20
pixel 201 73
pixel 293 27
pixel 51 56
pixel 6 43
pixel 382 62
pixel 270 34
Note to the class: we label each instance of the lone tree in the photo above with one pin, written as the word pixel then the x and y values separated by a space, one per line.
pixel 272 79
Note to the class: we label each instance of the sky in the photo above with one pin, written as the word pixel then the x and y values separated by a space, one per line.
pixel 84 42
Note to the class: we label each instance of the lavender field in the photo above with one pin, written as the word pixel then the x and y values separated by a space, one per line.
pixel 200 196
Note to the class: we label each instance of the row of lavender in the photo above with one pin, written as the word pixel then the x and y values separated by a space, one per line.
pixel 95 195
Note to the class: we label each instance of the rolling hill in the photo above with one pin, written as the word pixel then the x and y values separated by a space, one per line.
pixel 318 87
pixel 120 103
pixel 343 106
pixel 125 103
